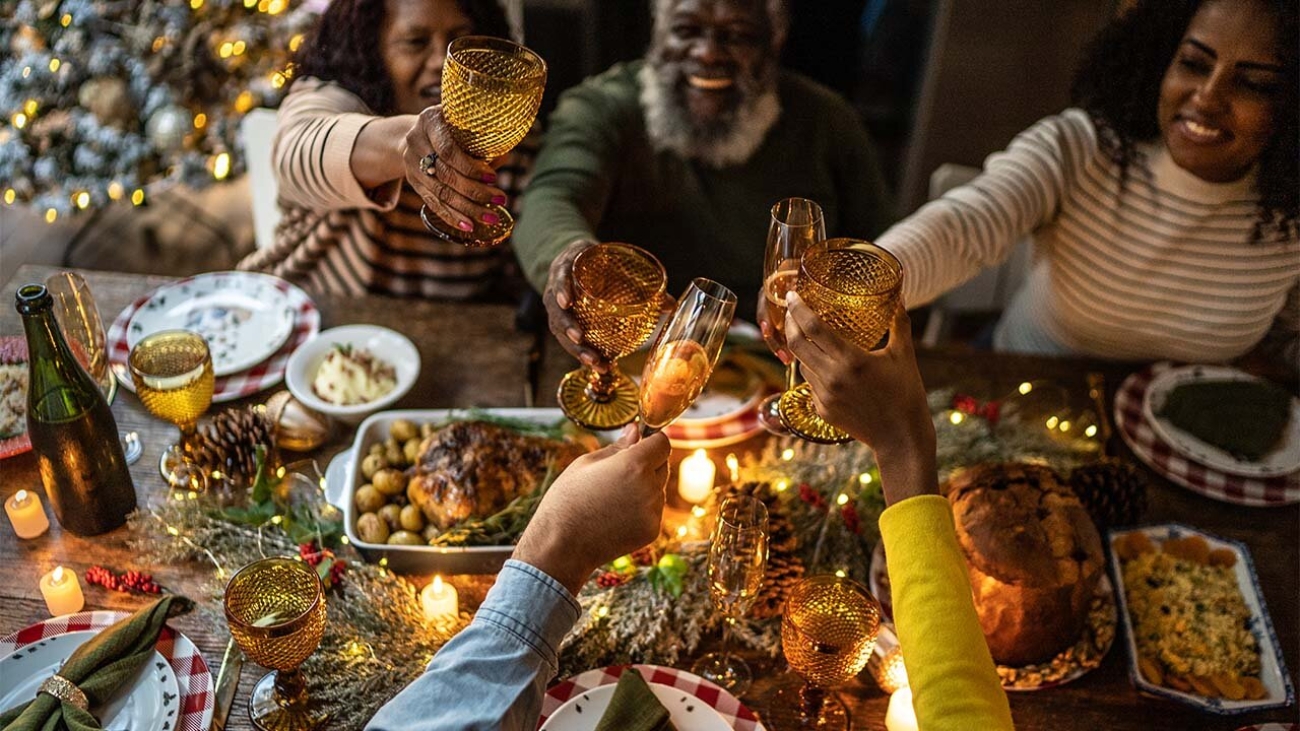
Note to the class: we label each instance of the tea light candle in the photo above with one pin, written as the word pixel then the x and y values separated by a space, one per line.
pixel 900 716
pixel 62 591
pixel 695 477
pixel 439 601
pixel 27 514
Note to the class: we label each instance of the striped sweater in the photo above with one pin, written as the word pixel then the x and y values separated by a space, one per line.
pixel 1162 266
pixel 335 236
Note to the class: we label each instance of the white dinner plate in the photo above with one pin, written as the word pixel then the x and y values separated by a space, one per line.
pixel 189 709
pixel 678 689
pixel 149 701
pixel 1282 460
pixel 244 316
pixel 688 713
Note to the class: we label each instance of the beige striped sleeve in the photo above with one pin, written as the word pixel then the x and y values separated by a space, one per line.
pixel 317 127
pixel 949 240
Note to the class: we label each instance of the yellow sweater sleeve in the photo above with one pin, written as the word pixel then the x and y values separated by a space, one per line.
pixel 949 669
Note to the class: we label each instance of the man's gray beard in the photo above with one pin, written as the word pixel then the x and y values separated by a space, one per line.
pixel 729 141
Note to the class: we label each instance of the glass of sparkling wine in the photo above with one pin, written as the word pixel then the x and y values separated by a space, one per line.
pixel 172 372
pixel 797 223
pixel 737 564
pixel 685 353
pixel 828 631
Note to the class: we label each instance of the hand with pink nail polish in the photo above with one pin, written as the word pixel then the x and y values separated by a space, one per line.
pixel 456 187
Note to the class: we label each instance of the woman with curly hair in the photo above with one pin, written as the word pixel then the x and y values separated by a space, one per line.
pixel 1162 209
pixel 352 156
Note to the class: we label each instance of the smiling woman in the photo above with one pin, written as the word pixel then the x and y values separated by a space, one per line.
pixel 1163 210
pixel 362 145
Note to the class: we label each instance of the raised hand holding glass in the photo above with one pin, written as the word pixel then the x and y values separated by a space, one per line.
pixel 617 290
pixel 491 91
pixel 853 286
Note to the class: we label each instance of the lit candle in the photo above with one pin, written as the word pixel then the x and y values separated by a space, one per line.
pixel 62 592
pixel 695 477
pixel 27 514
pixel 900 716
pixel 439 601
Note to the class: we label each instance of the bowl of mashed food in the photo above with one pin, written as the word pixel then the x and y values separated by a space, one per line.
pixel 353 371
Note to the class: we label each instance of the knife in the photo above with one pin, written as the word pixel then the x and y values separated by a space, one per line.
pixel 227 683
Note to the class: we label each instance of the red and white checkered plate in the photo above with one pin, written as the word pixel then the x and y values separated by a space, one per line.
pixel 727 705
pixel 192 676
pixel 1161 457
pixel 235 385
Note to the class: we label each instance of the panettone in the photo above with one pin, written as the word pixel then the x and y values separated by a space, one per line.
pixel 1033 555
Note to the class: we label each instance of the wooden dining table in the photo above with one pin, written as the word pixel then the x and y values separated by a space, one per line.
pixel 472 355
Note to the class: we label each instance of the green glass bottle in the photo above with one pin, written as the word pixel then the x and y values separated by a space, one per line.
pixel 72 429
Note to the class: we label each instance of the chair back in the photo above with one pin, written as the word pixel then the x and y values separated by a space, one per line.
pixel 256 132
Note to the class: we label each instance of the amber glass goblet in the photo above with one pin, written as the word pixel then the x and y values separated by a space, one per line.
pixel 737 564
pixel 172 372
pixel 797 223
pixel 491 90
pixel 828 631
pixel 618 290
pixel 685 353
pixel 853 286
pixel 276 611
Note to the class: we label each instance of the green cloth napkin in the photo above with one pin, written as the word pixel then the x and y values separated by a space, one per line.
pixel 99 667
pixel 634 707
pixel 1243 418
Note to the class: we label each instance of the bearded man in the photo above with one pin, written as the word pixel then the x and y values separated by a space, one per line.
pixel 685 152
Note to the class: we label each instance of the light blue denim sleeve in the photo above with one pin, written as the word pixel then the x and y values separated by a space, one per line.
pixel 494 673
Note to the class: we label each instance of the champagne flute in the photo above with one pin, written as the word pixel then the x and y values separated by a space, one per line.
pixel 618 289
pixel 685 353
pixel 853 286
pixel 276 611
pixel 78 318
pixel 491 91
pixel 172 372
pixel 737 563
pixel 828 631
pixel 797 223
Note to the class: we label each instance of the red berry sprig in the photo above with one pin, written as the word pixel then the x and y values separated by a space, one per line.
pixel 315 557
pixel 611 579
pixel 645 556
pixel 811 496
pixel 851 520
pixel 130 582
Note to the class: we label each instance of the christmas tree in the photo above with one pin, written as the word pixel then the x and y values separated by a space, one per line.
pixel 107 100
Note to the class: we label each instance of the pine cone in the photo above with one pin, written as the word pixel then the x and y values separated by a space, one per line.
pixel 228 444
pixel 1113 491
pixel 784 567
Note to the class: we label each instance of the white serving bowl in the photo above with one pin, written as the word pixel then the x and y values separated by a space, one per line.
pixel 387 345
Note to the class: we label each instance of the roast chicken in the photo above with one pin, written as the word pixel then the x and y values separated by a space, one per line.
pixel 474 468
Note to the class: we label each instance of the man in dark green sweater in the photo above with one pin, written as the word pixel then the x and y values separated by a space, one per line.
pixel 685 153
